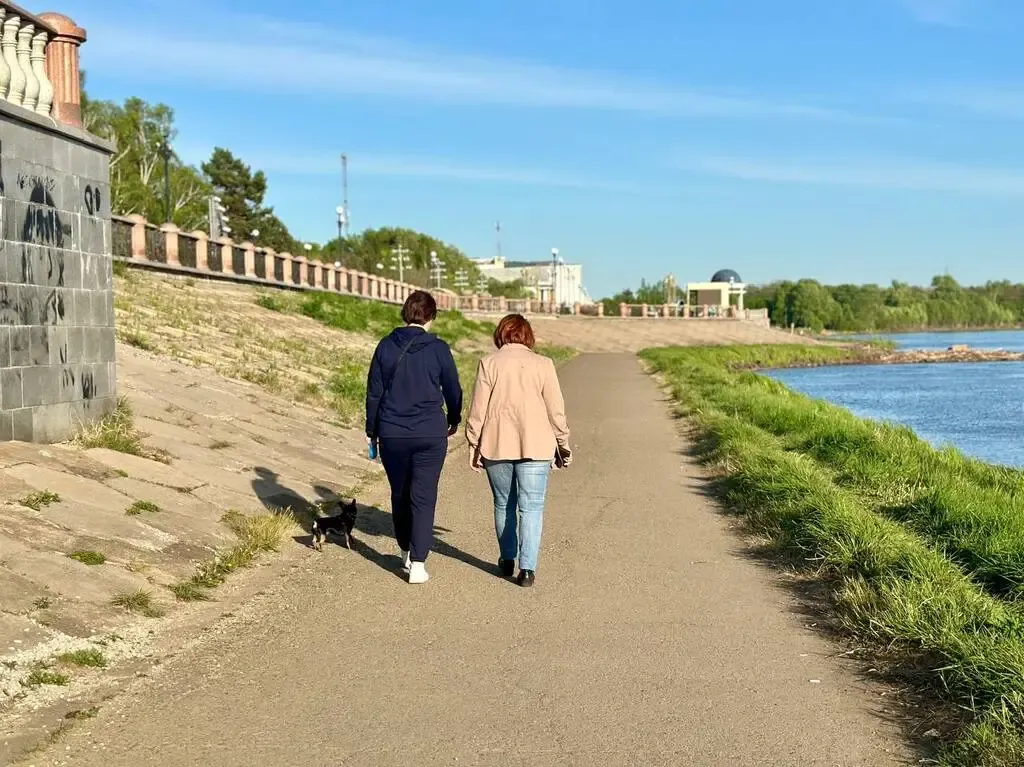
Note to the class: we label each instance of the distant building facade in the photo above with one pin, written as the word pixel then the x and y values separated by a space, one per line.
pixel 561 282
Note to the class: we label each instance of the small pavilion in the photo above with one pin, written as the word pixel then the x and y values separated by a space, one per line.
pixel 720 291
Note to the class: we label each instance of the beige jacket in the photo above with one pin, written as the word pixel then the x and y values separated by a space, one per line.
pixel 517 410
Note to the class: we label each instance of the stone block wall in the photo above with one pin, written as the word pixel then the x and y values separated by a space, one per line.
pixel 57 358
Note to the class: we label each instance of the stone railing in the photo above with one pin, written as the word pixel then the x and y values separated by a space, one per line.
pixel 39 63
pixel 137 242
pixel 682 311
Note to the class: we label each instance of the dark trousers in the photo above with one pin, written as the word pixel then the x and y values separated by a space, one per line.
pixel 413 466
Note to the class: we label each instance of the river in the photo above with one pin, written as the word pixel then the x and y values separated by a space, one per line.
pixel 977 407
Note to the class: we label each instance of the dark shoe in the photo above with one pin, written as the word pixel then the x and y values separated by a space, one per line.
pixel 507 567
pixel 526 578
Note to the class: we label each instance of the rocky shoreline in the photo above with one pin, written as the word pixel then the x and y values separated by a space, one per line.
pixel 862 355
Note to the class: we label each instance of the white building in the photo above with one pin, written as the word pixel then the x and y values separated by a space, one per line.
pixel 546 280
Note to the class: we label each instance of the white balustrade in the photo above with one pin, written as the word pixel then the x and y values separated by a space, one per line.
pixel 23 50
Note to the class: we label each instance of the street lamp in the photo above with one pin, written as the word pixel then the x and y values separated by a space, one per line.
pixel 165 150
pixel 254 234
pixel 436 268
pixel 342 218
pixel 554 275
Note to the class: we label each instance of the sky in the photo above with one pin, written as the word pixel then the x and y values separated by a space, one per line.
pixel 844 140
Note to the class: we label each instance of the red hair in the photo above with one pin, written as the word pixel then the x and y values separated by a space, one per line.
pixel 514 329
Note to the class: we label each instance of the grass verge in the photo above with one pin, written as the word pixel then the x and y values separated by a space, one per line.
pixel 857 503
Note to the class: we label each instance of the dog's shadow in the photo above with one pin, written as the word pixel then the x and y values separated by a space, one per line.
pixel 372 524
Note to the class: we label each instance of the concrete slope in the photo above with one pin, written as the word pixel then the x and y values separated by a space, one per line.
pixel 647 641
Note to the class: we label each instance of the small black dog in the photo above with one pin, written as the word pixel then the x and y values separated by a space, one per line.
pixel 340 524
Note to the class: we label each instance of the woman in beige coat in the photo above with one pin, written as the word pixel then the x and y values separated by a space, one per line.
pixel 516 431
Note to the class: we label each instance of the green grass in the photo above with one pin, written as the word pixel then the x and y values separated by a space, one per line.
pixel 89 658
pixel 117 432
pixel 91 558
pixel 38 501
pixel 256 534
pixel 922 548
pixel 142 507
pixel 139 601
pixel 41 675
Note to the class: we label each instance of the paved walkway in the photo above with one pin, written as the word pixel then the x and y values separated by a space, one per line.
pixel 648 639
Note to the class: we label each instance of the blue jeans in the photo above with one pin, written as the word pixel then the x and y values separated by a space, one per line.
pixel 518 488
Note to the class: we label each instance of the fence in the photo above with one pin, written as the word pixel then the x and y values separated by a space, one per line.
pixel 166 248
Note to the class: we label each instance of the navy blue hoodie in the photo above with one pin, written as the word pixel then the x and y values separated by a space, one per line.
pixel 426 378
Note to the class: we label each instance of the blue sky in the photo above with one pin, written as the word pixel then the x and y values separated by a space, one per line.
pixel 846 140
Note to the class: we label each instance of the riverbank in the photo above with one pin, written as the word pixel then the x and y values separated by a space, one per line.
pixel 920 549
pixel 866 354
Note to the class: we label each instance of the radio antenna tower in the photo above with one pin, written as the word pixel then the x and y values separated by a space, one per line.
pixel 497 234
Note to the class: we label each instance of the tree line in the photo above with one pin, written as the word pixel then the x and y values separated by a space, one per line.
pixel 144 135
pixel 806 303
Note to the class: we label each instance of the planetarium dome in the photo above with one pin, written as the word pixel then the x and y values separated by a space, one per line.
pixel 726 275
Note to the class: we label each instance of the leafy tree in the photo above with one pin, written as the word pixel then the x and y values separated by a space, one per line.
pixel 511 289
pixel 139 130
pixel 364 251
pixel 241 192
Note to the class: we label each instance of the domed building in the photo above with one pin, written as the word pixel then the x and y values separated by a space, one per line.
pixel 715 297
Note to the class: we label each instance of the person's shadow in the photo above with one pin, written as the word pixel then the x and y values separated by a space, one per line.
pixel 372 524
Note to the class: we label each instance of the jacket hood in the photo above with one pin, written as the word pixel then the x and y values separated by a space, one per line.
pixel 420 339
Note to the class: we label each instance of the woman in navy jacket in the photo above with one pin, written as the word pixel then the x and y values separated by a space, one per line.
pixel 412 375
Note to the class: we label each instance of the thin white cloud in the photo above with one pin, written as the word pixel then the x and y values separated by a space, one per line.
pixel 279 58
pixel 898 175
pixel 945 13
pixel 1006 102
pixel 315 163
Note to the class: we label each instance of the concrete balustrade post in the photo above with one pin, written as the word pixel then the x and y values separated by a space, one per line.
pixel 666 311
pixel 170 232
pixel 577 309
pixel 269 261
pixel 202 249
pixel 227 253
pixel 600 310
pixel 138 237
pixel 623 310
pixel 474 303
pixel 62 68
pixel 249 258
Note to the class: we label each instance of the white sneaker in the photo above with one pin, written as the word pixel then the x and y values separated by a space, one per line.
pixel 418 573
pixel 406 561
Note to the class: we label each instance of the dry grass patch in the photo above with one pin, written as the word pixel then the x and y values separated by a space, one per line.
pixel 117 432
pixel 139 601
pixel 38 501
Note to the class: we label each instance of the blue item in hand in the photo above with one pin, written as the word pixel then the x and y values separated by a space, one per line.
pixel 372 451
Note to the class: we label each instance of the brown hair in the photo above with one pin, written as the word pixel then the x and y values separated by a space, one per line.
pixel 514 329
pixel 419 308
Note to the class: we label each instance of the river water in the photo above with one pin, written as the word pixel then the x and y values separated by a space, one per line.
pixel 977 406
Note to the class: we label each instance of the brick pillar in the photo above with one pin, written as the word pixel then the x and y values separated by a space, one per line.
pixel 577 309
pixel 138 237
pixel 623 310
pixel 170 232
pixel 62 68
